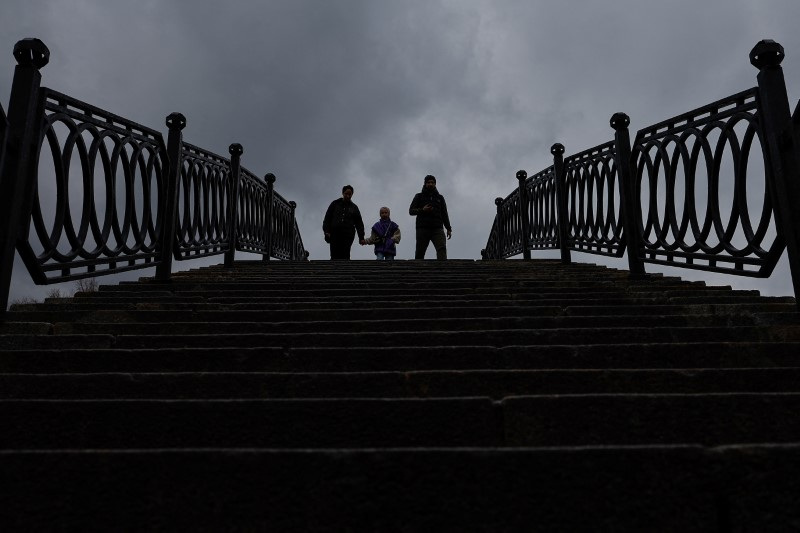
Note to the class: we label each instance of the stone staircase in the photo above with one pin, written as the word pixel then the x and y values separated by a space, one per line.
pixel 405 396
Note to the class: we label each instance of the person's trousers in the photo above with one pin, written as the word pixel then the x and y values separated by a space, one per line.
pixel 428 235
pixel 380 256
pixel 341 241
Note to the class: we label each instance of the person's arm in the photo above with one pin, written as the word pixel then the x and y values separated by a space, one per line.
pixel 445 216
pixel 446 219
pixel 416 207
pixel 373 237
pixel 359 223
pixel 396 236
pixel 326 222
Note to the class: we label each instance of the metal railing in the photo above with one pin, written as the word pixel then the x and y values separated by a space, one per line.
pixel 124 199
pixel 686 193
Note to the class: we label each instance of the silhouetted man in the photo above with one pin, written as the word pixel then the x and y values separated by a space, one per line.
pixel 342 221
pixel 431 211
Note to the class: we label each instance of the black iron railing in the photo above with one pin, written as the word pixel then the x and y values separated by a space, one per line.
pixel 124 199
pixel 715 189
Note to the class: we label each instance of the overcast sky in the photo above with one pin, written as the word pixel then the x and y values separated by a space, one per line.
pixel 379 93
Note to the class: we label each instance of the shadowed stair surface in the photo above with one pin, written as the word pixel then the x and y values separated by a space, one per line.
pixel 404 396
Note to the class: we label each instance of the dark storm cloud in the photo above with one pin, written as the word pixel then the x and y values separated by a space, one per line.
pixel 378 94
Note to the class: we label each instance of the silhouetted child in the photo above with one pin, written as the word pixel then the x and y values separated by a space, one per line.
pixel 385 235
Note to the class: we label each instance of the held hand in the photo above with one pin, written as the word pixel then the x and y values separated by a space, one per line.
pixel 362 242
pixel 449 233
pixel 428 208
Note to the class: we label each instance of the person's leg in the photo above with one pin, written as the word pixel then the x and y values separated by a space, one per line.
pixel 440 244
pixel 423 237
pixel 389 257
pixel 348 244
pixel 380 256
pixel 340 244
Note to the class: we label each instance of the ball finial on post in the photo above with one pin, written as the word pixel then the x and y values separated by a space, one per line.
pixel 766 54
pixel 176 121
pixel 270 178
pixel 235 149
pixel 557 148
pixel 620 120
pixel 31 53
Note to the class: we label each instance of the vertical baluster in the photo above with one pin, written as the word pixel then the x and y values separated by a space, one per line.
pixel 631 206
pixel 782 145
pixel 18 178
pixel 168 239
pixel 561 202
pixel 236 152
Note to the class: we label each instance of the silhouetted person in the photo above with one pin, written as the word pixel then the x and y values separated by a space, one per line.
pixel 431 211
pixel 342 221
pixel 385 235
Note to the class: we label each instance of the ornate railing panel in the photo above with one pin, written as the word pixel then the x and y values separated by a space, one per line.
pixel 492 244
pixel 266 223
pixel 540 192
pixel 203 204
pixel 84 192
pixel 697 175
pixel 510 221
pixel 713 189
pixel 90 149
pixel 284 226
pixel 594 211
pixel 253 211
pixel 298 249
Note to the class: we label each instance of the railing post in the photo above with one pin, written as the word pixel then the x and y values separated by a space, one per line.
pixel 270 179
pixel 561 202
pixel 499 203
pixel 17 182
pixel 292 236
pixel 783 145
pixel 627 188
pixel 523 207
pixel 175 122
pixel 236 152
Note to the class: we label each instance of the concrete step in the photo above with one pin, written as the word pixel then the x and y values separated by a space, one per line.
pixel 195 336
pixel 315 310
pixel 409 318
pixel 543 420
pixel 381 282
pixel 368 323
pixel 198 336
pixel 495 384
pixel 686 488
pixel 426 292
pixel 81 358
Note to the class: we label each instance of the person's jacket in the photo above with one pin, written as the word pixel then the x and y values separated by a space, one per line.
pixel 384 235
pixel 432 219
pixel 343 216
